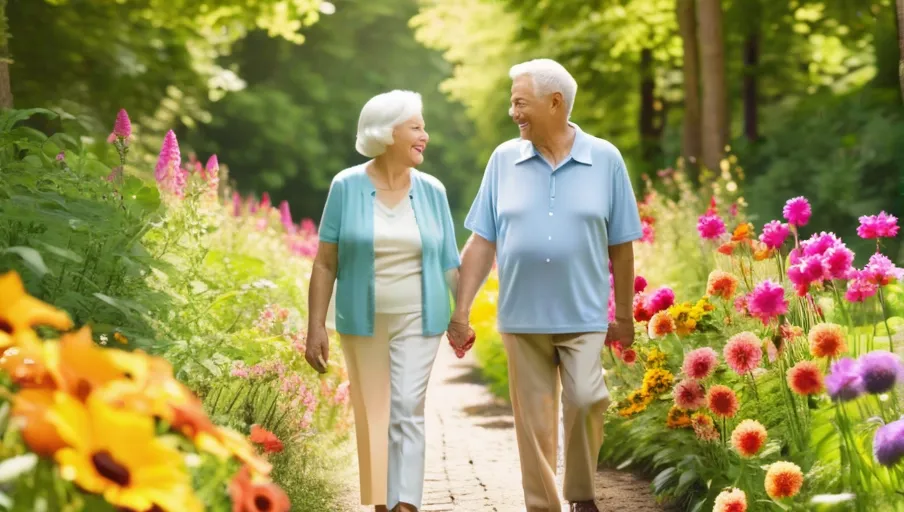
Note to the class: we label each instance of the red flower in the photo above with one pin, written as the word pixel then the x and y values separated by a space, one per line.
pixel 266 439
pixel 722 401
pixel 805 378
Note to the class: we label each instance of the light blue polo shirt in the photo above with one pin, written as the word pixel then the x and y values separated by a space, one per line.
pixel 552 229
pixel 348 220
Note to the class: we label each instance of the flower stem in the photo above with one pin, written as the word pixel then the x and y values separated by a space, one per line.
pixel 891 342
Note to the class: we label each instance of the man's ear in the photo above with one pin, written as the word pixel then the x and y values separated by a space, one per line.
pixel 557 101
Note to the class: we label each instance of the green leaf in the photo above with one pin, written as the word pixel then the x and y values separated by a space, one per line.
pixel 32 259
pixel 212 368
pixel 14 116
pixel 685 480
pixel 63 253
pixel 663 479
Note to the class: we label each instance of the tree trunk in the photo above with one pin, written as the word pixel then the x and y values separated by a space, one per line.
pixel 649 133
pixel 751 95
pixel 900 9
pixel 6 92
pixel 691 144
pixel 715 94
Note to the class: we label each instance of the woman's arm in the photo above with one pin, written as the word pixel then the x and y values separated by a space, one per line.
pixel 320 289
pixel 452 281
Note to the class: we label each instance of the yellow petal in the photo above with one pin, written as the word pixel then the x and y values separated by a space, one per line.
pixel 77 467
pixel 72 421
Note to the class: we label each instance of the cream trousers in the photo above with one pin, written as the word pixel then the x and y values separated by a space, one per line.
pixel 388 375
pixel 540 365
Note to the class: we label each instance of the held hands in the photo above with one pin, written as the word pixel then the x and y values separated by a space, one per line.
pixel 621 331
pixel 317 351
pixel 461 336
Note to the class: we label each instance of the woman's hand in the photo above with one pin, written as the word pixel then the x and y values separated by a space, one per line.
pixel 461 337
pixel 317 350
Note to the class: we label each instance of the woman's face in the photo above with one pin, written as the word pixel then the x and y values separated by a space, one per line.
pixel 409 141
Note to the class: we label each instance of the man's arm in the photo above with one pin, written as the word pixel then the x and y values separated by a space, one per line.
pixel 476 262
pixel 622 258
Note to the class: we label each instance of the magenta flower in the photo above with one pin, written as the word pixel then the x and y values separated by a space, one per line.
pixel 880 270
pixel 285 216
pixel 236 204
pixel 211 173
pixel 774 234
pixel 648 234
pixel 265 203
pixel 823 256
pixel 308 226
pixel 700 363
pixel 838 262
pixel 123 127
pixel 169 163
pixel 878 226
pixel 767 301
pixel 859 289
pixel 710 226
pixel 662 298
pixel 640 284
pixel 797 211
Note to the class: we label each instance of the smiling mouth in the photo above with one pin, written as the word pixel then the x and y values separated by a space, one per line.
pixel 522 125
pixel 419 149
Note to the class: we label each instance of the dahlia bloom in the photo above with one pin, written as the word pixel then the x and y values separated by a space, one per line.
pixel 805 378
pixel 783 480
pixel 767 301
pixel 859 289
pixel 700 363
pixel 878 226
pixel 661 299
pixel 774 234
pixel 662 324
pixel 710 226
pixel 748 438
pixel 689 395
pixel 640 284
pixel 721 284
pixel 722 401
pixel 743 352
pixel 881 271
pixel 827 340
pixel 797 211
pixel 731 500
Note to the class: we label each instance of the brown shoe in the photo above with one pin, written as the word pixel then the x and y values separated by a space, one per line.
pixel 584 506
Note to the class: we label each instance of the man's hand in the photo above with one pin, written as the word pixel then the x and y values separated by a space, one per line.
pixel 461 337
pixel 622 332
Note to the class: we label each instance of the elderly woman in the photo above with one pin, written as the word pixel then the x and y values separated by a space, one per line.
pixel 388 241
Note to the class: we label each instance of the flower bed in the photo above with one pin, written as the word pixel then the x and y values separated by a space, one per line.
pixel 216 290
pixel 765 373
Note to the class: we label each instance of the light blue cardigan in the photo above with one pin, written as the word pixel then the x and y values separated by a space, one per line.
pixel 348 220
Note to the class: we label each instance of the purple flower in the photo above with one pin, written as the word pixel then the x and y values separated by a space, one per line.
pixel 710 226
pixel 61 156
pixel 844 381
pixel 774 234
pixel 888 445
pixel 123 126
pixel 797 211
pixel 880 370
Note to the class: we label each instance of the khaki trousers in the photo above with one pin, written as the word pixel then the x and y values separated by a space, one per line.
pixel 540 367
pixel 388 375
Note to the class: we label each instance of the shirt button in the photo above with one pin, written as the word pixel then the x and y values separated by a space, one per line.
pixel 547 260
pixel 550 214
pixel 550 238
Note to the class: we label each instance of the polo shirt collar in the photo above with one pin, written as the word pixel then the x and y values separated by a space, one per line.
pixel 580 149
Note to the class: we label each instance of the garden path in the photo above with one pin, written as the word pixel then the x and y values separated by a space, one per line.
pixel 472 457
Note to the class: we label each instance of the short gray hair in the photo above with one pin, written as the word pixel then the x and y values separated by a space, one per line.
pixel 549 77
pixel 380 115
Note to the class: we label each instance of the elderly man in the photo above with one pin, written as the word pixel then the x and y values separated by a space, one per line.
pixel 554 208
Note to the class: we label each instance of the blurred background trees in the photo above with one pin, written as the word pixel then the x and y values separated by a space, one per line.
pixel 805 94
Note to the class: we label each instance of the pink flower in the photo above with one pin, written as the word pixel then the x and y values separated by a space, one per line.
pixel 733 210
pixel 239 369
pixel 123 127
pixel 236 204
pixel 341 395
pixel 838 260
pixel 648 234
pixel 168 163
pixel 859 289
pixel 640 284
pixel 767 301
pixel 661 299
pixel 774 234
pixel 743 352
pixel 285 216
pixel 710 226
pixel 823 256
pixel 308 226
pixel 797 211
pixel 700 363
pixel 740 304
pixel 689 395
pixel 880 270
pixel 265 202
pixel 878 226
pixel 211 173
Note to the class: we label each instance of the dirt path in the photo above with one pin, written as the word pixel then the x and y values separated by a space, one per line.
pixel 472 457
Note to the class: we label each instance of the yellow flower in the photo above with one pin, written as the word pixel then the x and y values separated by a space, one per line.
pixel 116 454
pixel 226 442
pixel 678 418
pixel 79 366
pixel 20 313
pixel 657 381
pixel 656 358
pixel 634 403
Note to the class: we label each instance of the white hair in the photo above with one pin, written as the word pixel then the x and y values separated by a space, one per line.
pixel 380 115
pixel 548 77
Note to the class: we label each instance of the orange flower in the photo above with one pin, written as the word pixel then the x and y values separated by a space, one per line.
pixel 748 438
pixel 744 231
pixel 20 313
pixel 30 407
pixel 783 480
pixel 25 364
pixel 266 439
pixel 226 442
pixel 704 427
pixel 79 366
pixel 761 251
pixel 661 324
pixel 678 418
pixel 804 378
pixel 731 500
pixel 721 284
pixel 722 401
pixel 727 248
pixel 827 340
pixel 250 496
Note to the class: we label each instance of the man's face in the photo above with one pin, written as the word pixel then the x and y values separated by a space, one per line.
pixel 530 113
